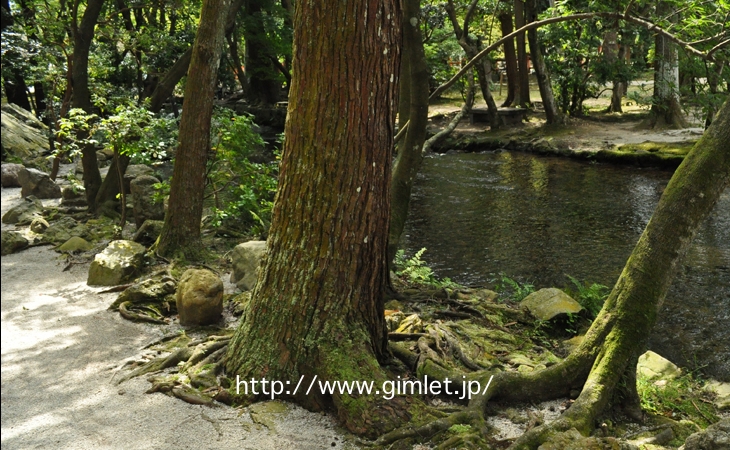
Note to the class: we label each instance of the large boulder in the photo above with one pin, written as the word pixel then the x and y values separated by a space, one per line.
pixel 36 183
pixel 23 136
pixel 10 174
pixel 117 264
pixel 199 297
pixel 715 437
pixel 12 241
pixel 25 212
pixel 148 233
pixel 143 204
pixel 246 259
pixel 64 229
pixel 549 303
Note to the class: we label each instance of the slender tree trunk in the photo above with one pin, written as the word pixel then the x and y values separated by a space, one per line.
pixel 414 80
pixel 523 73
pixel 505 21
pixel 666 109
pixel 317 308
pixel 552 113
pixel 83 36
pixel 181 232
pixel 265 87
pixel 713 81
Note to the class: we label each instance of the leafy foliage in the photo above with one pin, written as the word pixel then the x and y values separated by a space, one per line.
pixel 416 271
pixel 590 297
pixel 513 289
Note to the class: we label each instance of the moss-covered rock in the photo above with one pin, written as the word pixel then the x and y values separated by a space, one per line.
pixel 117 264
pixel 75 244
pixel 652 365
pixel 715 437
pixel 245 259
pixel 157 288
pixel 63 229
pixel 25 212
pixel 12 241
pixel 549 303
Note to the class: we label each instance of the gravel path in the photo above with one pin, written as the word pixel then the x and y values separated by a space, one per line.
pixel 60 351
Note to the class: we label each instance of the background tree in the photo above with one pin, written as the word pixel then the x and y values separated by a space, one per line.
pixel 181 232
pixel 318 306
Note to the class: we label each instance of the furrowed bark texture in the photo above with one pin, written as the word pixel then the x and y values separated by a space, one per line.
pixel 630 312
pixel 317 308
pixel 523 73
pixel 181 232
pixel 505 22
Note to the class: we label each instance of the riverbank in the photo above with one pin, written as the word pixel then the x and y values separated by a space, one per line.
pixel 601 137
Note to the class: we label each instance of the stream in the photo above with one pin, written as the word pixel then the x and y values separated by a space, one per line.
pixel 538 219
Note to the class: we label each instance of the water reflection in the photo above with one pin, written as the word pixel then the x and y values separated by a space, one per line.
pixel 538 219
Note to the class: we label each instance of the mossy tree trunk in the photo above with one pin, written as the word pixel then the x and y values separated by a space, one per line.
pixel 181 233
pixel 523 72
pixel 317 309
pixel 413 107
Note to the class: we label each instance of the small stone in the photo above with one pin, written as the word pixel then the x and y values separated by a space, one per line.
pixel 199 297
pixel 411 324
pixel 549 303
pixel 722 391
pixel 714 437
pixel 246 259
pixel 39 225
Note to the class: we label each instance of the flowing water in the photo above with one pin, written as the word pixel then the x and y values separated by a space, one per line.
pixel 538 219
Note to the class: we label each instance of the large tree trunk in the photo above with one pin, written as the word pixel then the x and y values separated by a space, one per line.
pixel 552 112
pixel 83 36
pixel 317 309
pixel 181 233
pixel 510 59
pixel 523 72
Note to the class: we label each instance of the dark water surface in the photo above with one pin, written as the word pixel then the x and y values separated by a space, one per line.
pixel 539 218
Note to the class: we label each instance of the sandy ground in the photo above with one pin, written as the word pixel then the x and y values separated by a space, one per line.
pixel 60 351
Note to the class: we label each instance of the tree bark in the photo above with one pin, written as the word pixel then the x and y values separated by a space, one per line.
pixel 83 35
pixel 317 308
pixel 510 58
pixel 666 109
pixel 262 74
pixel 181 232
pixel 523 73
pixel 553 116
pixel 414 81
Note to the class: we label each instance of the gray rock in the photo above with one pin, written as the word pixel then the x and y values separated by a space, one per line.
pixel 246 259
pixel 148 233
pixel 10 174
pixel 715 437
pixel 24 213
pixel 722 393
pixel 548 303
pixel 73 196
pixel 64 229
pixel 34 182
pixel 136 170
pixel 573 440
pixel 199 297
pixel 144 207
pixel 23 136
pixel 12 241
pixel 75 245
pixel 39 225
pixel 117 264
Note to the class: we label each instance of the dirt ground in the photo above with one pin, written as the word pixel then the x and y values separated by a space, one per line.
pixel 61 350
